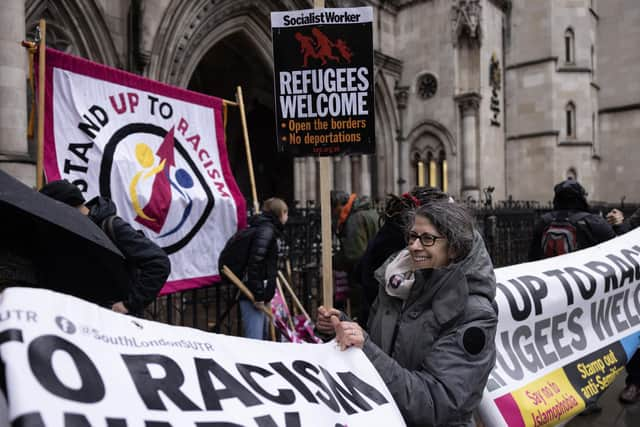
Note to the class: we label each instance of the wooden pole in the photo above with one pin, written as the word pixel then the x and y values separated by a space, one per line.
pixel 41 77
pixel 284 301
pixel 245 132
pixel 293 295
pixel 236 281
pixel 290 280
pixel 325 217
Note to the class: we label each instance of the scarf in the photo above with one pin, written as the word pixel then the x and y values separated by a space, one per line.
pixel 399 277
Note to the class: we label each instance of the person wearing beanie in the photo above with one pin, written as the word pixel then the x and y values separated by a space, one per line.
pixel 569 227
pixel 571 214
pixel 148 264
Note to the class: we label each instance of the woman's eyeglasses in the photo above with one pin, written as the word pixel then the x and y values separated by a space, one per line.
pixel 425 238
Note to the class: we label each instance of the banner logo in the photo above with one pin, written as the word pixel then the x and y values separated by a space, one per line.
pixel 162 182
pixel 321 47
pixel 65 325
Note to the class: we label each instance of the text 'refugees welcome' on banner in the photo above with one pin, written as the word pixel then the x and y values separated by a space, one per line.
pixel 323 69
pixel 567 326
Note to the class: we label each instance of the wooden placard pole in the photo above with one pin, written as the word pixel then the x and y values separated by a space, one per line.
pixel 293 296
pixel 245 132
pixel 42 50
pixel 325 217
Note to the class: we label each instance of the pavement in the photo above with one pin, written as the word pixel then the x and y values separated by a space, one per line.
pixel 613 414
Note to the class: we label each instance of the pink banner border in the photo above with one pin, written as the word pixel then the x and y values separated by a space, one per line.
pixel 57 59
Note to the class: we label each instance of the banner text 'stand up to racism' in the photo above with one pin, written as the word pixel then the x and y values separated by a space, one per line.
pixel 157 151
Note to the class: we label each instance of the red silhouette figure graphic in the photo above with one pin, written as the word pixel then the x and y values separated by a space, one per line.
pixel 344 49
pixel 160 201
pixel 325 46
pixel 306 47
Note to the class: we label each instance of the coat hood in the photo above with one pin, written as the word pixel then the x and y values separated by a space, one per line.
pixel 100 208
pixel 478 269
pixel 361 203
pixel 447 287
pixel 569 194
pixel 265 218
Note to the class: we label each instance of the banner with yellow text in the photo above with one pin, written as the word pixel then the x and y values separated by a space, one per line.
pixel 567 326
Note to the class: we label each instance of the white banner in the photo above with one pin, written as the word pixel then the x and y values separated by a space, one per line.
pixel 157 151
pixel 567 326
pixel 68 362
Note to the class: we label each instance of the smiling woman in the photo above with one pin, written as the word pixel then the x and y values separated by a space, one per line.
pixel 431 330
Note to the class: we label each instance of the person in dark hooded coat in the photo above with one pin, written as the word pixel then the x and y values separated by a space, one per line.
pixel 262 265
pixel 149 265
pixel 432 327
pixel 570 204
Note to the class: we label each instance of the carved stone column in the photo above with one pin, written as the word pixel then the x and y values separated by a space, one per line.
pixel 356 174
pixel 404 168
pixel 310 177
pixel 365 175
pixel 469 104
pixel 298 180
pixel 14 149
pixel 342 173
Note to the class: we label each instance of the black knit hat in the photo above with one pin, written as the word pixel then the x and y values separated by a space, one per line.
pixel 64 191
pixel 338 198
pixel 569 194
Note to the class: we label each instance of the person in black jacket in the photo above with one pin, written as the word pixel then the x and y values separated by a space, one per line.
pixel 149 265
pixel 570 205
pixel 262 265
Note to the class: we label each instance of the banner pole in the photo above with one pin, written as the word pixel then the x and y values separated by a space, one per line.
pixel 41 92
pixel 325 217
pixel 245 132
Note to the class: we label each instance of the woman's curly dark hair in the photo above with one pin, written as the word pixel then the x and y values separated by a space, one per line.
pixel 452 220
pixel 397 207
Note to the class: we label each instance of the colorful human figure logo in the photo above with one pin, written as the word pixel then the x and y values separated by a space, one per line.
pixel 154 214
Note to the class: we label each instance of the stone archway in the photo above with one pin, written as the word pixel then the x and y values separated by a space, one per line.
pixel 236 61
pixel 212 48
pixel 383 170
pixel 68 24
pixel 431 144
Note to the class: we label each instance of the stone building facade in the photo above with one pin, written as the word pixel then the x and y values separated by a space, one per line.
pixel 471 95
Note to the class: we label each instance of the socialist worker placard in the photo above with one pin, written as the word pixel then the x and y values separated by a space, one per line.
pixel 323 78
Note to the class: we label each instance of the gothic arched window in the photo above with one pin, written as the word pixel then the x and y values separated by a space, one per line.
pixel 570 111
pixel 569 46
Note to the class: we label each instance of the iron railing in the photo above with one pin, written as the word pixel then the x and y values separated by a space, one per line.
pixel 506 227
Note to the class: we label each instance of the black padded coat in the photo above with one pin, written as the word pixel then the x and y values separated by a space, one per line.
pixel 262 266
pixel 149 265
